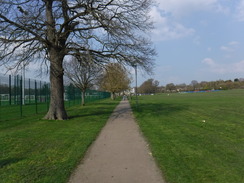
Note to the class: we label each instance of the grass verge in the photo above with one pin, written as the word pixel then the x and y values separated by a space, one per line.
pixel 197 137
pixel 48 151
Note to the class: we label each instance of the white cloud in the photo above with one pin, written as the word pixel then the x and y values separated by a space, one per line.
pixel 230 47
pixel 167 13
pixel 225 48
pixel 239 66
pixel 184 7
pixel 240 11
pixel 232 68
pixel 234 43
pixel 166 28
pixel 221 9
pixel 209 62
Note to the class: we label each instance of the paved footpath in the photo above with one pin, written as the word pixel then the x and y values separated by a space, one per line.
pixel 119 155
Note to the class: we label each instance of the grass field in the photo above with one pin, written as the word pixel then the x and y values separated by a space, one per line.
pixel 13 112
pixel 196 137
pixel 41 151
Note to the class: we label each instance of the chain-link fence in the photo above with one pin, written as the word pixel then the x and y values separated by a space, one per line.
pixel 23 97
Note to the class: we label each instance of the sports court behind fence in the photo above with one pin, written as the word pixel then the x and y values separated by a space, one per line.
pixel 22 97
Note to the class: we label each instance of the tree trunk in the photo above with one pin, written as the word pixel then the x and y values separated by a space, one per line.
pixel 56 108
pixel 56 55
pixel 112 95
pixel 83 97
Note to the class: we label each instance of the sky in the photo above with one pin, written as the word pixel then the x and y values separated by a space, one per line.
pixel 199 40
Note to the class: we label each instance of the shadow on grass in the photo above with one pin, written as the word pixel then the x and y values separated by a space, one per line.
pixel 104 103
pixel 98 109
pixel 8 161
pixel 97 113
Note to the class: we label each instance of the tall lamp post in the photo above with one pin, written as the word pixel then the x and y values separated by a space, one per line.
pixel 135 67
pixel 23 84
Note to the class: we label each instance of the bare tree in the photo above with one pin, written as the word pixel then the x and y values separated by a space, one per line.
pixel 49 30
pixel 115 79
pixel 83 73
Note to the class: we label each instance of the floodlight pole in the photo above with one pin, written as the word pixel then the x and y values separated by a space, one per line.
pixel 23 84
pixel 135 66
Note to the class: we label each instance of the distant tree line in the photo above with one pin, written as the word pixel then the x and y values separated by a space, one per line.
pixel 152 86
pixel 148 87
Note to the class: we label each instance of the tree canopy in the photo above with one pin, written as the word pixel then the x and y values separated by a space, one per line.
pixel 49 30
pixel 148 87
pixel 115 79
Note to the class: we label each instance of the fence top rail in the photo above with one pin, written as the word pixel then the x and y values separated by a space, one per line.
pixel 11 79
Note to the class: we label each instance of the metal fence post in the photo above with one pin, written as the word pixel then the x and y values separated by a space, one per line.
pixel 40 92
pixel 46 94
pixel 17 91
pixel 21 93
pixel 73 90
pixel 36 96
pixel 10 90
pixel 29 91
pixel 15 88
pixel 0 107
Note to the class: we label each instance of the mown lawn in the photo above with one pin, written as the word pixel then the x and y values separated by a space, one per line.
pixel 13 112
pixel 36 150
pixel 196 137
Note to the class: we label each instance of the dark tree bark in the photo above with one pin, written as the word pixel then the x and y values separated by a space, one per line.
pixel 56 56
pixel 56 107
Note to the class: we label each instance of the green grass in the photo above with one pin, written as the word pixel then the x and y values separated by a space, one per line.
pixel 189 150
pixel 13 112
pixel 36 150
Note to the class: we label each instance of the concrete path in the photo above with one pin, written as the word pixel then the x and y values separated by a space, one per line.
pixel 119 155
